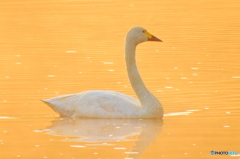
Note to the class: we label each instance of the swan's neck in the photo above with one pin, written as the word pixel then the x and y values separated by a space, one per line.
pixel 147 99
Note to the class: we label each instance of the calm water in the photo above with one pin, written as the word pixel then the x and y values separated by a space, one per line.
pixel 51 48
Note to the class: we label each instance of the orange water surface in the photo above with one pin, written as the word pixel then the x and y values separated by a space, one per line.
pixel 57 47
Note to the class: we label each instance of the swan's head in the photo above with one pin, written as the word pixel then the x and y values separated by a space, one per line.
pixel 138 35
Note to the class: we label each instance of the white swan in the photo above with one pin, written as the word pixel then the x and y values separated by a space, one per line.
pixel 110 104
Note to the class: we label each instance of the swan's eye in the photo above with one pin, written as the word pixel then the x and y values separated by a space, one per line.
pixel 144 31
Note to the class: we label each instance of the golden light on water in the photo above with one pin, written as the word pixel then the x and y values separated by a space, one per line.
pixel 51 48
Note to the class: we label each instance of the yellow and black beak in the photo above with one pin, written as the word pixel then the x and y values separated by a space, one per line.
pixel 151 37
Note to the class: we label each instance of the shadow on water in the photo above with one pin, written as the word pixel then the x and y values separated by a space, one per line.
pixel 96 132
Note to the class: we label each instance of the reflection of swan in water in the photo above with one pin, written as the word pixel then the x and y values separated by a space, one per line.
pixel 108 130
pixel 110 104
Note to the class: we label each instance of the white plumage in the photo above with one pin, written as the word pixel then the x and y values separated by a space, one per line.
pixel 110 104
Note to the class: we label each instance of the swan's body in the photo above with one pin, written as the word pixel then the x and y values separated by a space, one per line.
pixel 110 104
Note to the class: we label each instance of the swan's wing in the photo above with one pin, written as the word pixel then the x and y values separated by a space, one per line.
pixel 109 102
pixel 115 102
pixel 102 104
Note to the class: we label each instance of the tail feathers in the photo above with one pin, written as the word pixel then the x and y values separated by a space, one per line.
pixel 59 107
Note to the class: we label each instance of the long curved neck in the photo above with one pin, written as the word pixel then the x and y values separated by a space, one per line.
pixel 143 94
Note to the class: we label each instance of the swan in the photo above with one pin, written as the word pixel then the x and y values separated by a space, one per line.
pixel 110 104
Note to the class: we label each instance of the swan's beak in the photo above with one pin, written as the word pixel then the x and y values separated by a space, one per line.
pixel 154 38
pixel 151 37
